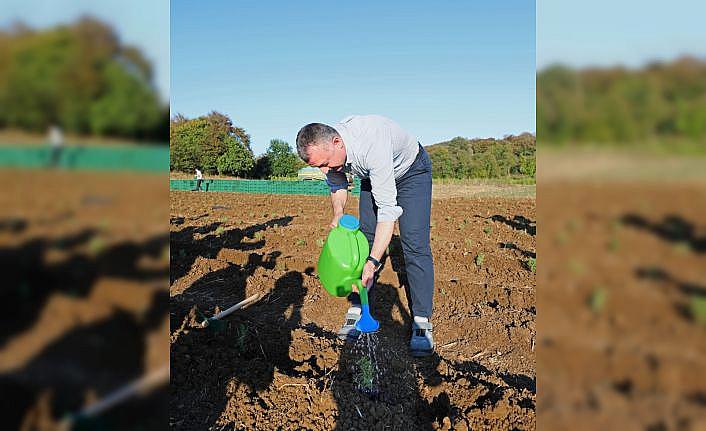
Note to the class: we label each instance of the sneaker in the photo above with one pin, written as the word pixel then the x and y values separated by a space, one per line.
pixel 422 342
pixel 348 329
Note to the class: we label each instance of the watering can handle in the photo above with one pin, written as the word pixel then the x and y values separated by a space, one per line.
pixel 362 291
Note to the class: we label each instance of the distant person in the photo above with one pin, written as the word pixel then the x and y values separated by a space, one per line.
pixel 56 143
pixel 199 179
pixel 395 173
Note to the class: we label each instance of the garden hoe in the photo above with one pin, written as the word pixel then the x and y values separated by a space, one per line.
pixel 216 324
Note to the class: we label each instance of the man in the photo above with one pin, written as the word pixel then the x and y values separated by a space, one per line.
pixel 199 179
pixel 56 142
pixel 395 173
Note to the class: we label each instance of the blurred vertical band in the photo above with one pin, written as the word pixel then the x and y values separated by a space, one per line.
pixel 84 249
pixel 622 243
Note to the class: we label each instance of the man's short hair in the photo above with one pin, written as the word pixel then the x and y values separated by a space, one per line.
pixel 311 135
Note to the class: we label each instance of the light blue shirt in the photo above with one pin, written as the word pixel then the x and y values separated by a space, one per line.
pixel 379 149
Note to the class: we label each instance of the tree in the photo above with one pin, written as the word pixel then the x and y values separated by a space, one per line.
pixel 211 143
pixel 79 77
pixel 282 160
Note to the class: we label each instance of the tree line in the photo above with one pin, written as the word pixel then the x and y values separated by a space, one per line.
pixel 621 105
pixel 215 145
pixel 81 78
pixel 484 158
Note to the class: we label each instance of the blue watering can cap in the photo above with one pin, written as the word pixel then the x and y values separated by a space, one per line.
pixel 349 222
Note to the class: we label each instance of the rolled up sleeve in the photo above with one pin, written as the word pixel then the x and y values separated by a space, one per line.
pixel 336 181
pixel 382 182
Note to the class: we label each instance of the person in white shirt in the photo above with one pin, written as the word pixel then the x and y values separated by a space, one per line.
pixel 199 179
pixel 395 173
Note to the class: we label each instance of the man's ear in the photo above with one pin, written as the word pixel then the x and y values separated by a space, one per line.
pixel 338 142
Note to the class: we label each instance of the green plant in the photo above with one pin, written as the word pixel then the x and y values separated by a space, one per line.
pixel 488 230
pixel 597 299
pixel 241 333
pixel 531 264
pixel 259 235
pixel 96 245
pixel 220 231
pixel 697 308
pixel 613 244
pixel 366 373
pixel 320 242
pixel 480 257
pixel 301 242
pixel 468 242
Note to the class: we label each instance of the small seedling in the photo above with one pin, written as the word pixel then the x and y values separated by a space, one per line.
pixel 531 264
pixel 240 334
pixel 301 242
pixel 432 224
pixel 488 230
pixel 697 308
pixel 613 244
pixel 562 238
pixel 682 247
pixel 461 226
pixel 468 242
pixel 480 258
pixel 220 231
pixel 96 245
pixel 320 242
pixel 364 378
pixel 577 267
pixel 596 301
pixel 573 225
pixel 259 235
pixel 447 218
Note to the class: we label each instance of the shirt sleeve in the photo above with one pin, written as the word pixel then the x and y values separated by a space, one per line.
pixel 382 181
pixel 336 181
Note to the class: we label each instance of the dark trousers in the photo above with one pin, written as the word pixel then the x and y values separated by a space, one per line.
pixel 414 196
pixel 198 185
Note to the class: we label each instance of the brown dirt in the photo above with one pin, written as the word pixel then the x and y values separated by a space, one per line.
pixel 84 295
pixel 278 365
pixel 637 361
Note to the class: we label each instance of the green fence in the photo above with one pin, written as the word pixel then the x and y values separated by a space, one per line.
pixel 261 186
pixel 103 158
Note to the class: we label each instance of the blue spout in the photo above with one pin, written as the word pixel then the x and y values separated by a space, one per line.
pixel 366 323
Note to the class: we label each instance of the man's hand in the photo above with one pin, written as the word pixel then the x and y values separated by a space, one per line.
pixel 334 221
pixel 367 277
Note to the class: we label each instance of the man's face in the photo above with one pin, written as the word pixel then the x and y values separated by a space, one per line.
pixel 328 156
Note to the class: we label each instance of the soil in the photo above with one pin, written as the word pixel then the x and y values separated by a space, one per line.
pixel 84 258
pixel 277 364
pixel 619 347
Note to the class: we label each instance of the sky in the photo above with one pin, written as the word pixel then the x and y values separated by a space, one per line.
pixel 142 23
pixel 440 69
pixel 627 32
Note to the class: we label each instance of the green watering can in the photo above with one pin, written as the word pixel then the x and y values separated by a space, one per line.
pixel 341 265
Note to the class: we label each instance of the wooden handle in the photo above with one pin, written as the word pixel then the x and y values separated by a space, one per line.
pixel 238 306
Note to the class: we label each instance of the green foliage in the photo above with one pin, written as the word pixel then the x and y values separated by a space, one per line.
pixel 211 143
pixel 597 300
pixel 697 308
pixel 531 264
pixel 279 162
pixel 480 258
pixel 79 77
pixel 622 105
pixel 484 158
pixel 488 230
pixel 366 373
